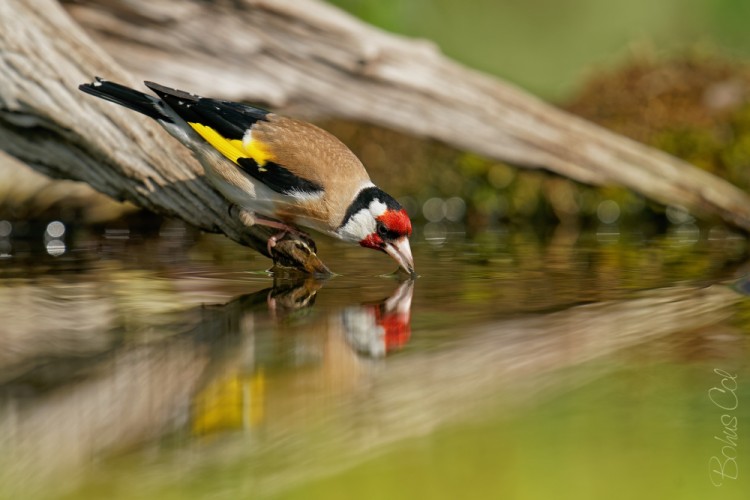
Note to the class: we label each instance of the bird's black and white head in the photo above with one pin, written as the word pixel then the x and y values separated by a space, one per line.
pixel 376 220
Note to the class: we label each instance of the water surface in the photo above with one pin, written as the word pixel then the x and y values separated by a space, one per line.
pixel 166 364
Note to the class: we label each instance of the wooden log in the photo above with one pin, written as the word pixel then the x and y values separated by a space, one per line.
pixel 26 194
pixel 46 122
pixel 307 56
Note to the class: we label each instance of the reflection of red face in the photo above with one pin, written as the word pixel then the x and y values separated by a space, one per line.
pixel 397 327
pixel 377 329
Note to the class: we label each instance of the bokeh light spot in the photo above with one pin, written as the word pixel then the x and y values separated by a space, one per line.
pixel 455 209
pixel 678 215
pixel 55 229
pixel 5 228
pixel 434 209
pixel 608 211
pixel 55 248
pixel 435 233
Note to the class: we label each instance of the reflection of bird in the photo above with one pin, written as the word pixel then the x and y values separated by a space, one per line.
pixel 288 297
pixel 277 170
pixel 255 371
pixel 377 329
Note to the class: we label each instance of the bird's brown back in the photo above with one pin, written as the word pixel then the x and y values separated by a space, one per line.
pixel 314 154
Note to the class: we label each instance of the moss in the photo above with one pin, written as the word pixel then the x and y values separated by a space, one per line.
pixel 695 107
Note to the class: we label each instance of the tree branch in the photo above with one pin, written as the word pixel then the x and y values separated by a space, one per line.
pixel 47 123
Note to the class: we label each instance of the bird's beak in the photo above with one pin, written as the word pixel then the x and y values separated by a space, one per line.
pixel 401 252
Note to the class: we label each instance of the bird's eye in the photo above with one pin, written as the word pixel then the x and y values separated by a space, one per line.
pixel 382 230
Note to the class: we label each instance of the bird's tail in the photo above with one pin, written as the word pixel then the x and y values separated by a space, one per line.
pixel 130 98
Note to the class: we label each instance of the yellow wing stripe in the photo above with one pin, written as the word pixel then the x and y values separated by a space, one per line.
pixel 233 148
pixel 258 152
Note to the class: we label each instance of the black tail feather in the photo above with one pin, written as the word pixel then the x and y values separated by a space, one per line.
pixel 125 96
pixel 180 101
pixel 230 119
pixel 165 92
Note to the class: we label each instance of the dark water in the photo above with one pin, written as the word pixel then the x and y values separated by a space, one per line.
pixel 165 364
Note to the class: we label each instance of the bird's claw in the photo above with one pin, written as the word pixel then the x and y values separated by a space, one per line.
pixel 273 240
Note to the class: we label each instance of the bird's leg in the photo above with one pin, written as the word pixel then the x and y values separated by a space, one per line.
pixel 249 218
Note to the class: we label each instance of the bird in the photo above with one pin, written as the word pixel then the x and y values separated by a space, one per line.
pixel 280 172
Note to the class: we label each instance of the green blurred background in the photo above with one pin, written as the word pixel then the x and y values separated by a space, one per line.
pixel 548 46
pixel 672 74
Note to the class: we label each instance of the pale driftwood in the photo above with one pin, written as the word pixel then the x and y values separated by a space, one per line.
pixel 26 194
pixel 46 122
pixel 305 55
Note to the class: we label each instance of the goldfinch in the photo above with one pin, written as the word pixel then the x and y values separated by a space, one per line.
pixel 279 171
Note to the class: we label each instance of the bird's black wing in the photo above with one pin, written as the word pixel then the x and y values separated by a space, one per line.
pixel 230 119
pixel 228 123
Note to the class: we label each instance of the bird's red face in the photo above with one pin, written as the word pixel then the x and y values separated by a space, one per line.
pixel 391 235
pixel 374 219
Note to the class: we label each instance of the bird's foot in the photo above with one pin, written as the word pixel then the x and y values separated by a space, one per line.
pixel 273 239
pixel 250 218
pixel 284 229
pixel 288 230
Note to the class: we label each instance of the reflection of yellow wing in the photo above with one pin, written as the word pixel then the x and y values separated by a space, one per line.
pixel 232 402
pixel 257 398
pixel 234 148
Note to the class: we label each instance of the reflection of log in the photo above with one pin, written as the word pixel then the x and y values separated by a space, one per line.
pixel 519 361
pixel 46 122
pixel 41 323
pixel 307 55
pixel 120 397
pixel 136 398
pixel 355 407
